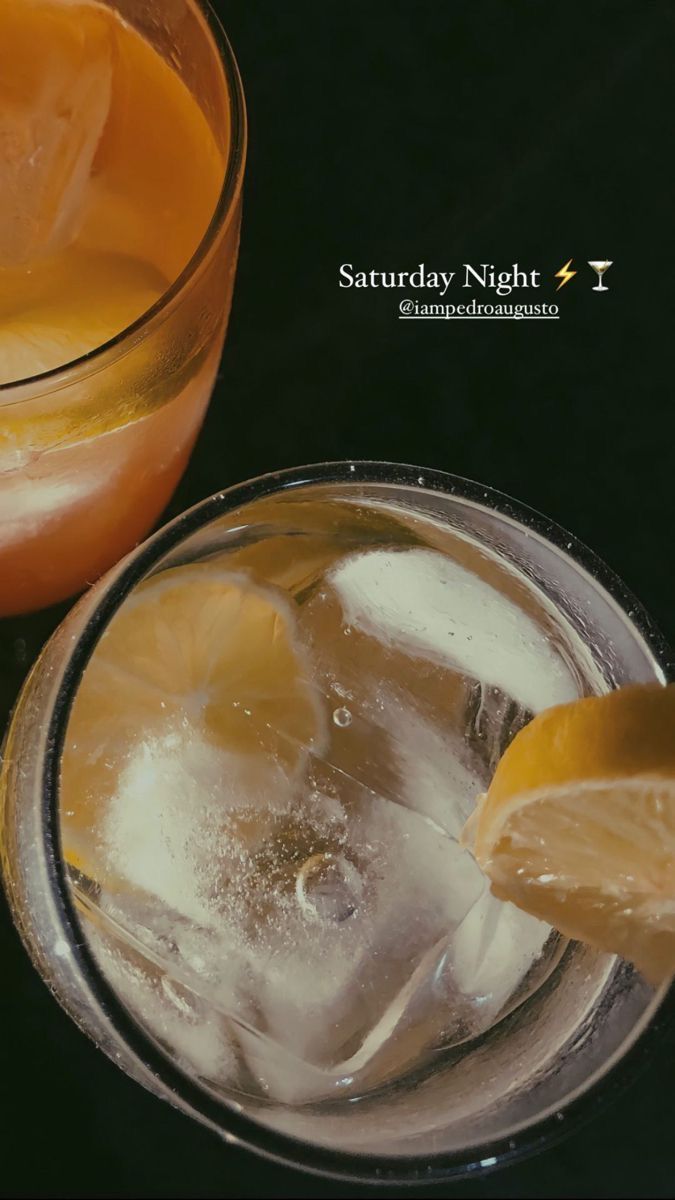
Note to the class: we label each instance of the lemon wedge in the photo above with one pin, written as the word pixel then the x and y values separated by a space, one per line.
pixel 578 825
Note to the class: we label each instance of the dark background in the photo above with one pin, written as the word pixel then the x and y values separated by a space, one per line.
pixel 385 133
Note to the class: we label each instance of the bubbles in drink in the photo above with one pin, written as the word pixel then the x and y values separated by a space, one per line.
pixel 278 877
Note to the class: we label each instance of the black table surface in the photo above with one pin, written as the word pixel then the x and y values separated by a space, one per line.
pixel 385 133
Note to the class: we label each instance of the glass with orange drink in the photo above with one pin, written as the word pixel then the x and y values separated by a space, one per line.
pixel 122 148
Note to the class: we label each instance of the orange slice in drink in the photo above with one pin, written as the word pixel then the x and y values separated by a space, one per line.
pixel 578 826
pixel 207 662
pixel 69 307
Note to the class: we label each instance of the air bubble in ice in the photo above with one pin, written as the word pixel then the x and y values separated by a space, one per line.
pixel 342 717
pixel 329 886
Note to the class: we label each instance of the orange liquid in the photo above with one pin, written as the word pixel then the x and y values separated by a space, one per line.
pixel 86 469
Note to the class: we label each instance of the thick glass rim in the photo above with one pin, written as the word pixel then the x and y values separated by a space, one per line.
pixel 221 1116
pixel 46 382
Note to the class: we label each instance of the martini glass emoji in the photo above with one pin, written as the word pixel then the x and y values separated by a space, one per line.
pixel 600 268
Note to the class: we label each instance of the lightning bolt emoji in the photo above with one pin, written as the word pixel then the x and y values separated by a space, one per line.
pixel 564 274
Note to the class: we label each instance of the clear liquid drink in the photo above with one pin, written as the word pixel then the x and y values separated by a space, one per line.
pixel 234 841
pixel 288 894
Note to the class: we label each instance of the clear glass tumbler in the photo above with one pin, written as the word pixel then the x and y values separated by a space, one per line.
pixel 91 451
pixel 506 1093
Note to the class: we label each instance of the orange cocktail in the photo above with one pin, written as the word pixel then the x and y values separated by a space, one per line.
pixel 121 161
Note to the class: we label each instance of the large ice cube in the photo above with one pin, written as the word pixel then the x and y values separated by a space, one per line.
pixel 55 87
pixel 316 924
pixel 325 927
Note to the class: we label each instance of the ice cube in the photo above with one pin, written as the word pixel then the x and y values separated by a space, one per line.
pixel 185 821
pixel 194 1034
pixel 492 951
pixel 55 88
pixel 313 923
pixel 428 605
pixel 336 927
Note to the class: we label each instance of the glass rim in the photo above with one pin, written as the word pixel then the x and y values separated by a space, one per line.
pixel 223 1116
pixel 46 382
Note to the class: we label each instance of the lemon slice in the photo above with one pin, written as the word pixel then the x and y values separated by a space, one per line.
pixel 197 657
pixel 67 307
pixel 578 825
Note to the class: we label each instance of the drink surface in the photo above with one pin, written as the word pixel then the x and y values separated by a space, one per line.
pixel 110 173
pixel 268 765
